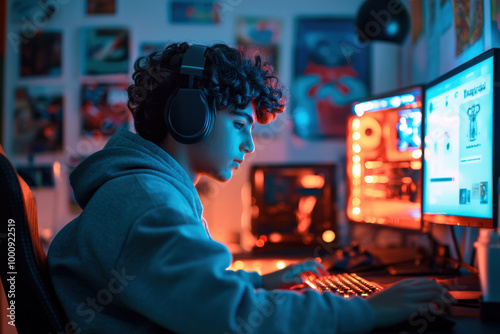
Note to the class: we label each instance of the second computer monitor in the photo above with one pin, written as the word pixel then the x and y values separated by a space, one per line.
pixel 461 150
pixel 384 160
pixel 293 205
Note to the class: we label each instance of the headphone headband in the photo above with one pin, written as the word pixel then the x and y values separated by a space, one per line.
pixel 193 61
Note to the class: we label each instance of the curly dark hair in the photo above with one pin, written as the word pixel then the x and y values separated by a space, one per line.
pixel 230 79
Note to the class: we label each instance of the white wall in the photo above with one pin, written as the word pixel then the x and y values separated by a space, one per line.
pixel 147 21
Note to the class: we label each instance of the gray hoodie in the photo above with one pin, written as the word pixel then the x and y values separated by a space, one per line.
pixel 139 259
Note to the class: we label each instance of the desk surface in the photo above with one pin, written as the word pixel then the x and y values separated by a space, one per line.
pixel 467 319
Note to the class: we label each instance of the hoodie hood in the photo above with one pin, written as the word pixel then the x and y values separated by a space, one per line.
pixel 126 154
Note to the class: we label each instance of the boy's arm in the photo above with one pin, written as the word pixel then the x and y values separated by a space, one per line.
pixel 291 275
pixel 251 276
pixel 181 283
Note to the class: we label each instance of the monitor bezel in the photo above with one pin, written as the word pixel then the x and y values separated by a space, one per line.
pixel 442 219
pixel 394 92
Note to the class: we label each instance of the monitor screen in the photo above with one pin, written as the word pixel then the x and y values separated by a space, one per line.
pixel 459 174
pixel 293 204
pixel 384 159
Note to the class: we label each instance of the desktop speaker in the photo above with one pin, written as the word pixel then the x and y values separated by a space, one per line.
pixel 382 20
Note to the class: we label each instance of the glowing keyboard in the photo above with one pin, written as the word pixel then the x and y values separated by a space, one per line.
pixel 346 285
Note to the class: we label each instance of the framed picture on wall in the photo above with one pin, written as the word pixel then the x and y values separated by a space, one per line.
pixel 106 51
pixel 331 70
pixel 469 23
pixel 194 12
pixel 104 109
pixel 101 7
pixel 41 55
pixel 38 120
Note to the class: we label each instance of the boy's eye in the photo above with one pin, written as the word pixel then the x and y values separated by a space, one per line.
pixel 238 125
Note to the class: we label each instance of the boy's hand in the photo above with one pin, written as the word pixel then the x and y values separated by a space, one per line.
pixel 401 300
pixel 291 275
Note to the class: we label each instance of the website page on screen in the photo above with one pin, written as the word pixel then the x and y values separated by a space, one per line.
pixel 458 144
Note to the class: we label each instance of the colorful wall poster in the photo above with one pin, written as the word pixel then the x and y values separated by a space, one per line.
pixel 331 71
pixel 194 12
pixel 41 55
pixel 469 23
pixel 104 109
pixel 38 120
pixel 101 7
pixel 106 51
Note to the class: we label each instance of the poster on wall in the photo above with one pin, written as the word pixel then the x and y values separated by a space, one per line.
pixel 38 120
pixel 41 55
pixel 32 14
pixel 194 12
pixel 101 7
pixel 469 23
pixel 259 36
pixel 104 109
pixel 331 71
pixel 106 51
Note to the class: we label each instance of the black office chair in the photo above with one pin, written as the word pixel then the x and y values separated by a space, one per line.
pixel 37 309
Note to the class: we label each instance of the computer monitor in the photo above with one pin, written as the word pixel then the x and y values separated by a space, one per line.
pixel 384 159
pixel 462 145
pixel 293 205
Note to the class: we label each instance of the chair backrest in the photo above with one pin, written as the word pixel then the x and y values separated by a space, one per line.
pixel 23 262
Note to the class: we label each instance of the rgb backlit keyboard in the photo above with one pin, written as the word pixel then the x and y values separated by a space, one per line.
pixel 346 285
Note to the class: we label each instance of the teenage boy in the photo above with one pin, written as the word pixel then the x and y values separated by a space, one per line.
pixel 139 258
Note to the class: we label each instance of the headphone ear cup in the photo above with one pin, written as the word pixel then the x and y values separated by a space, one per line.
pixel 210 122
pixel 188 116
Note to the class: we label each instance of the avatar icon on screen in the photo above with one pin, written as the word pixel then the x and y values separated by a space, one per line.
pixel 472 113
pixel 483 192
pixel 463 196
